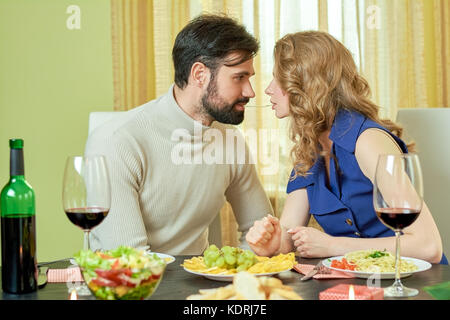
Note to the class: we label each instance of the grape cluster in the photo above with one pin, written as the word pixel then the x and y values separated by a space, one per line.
pixel 229 258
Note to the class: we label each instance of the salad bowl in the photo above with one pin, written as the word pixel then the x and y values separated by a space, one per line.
pixel 123 273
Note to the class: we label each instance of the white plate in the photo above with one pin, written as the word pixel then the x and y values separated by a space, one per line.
pixel 167 257
pixel 229 277
pixel 422 266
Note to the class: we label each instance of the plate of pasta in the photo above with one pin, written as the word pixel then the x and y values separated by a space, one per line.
pixel 370 263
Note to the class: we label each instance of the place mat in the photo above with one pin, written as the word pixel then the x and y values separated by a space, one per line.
pixel 440 291
pixel 305 268
pixel 72 274
pixel 342 292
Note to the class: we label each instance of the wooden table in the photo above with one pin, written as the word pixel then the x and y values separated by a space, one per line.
pixel 177 284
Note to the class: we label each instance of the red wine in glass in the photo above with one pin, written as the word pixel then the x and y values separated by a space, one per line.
pixel 397 218
pixel 398 200
pixel 87 218
pixel 86 196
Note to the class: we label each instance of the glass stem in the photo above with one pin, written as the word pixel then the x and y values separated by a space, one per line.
pixel 397 260
pixel 86 245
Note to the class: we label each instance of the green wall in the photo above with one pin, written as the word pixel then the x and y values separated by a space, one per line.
pixel 51 78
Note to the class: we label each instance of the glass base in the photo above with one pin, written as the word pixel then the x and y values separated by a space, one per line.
pixel 82 290
pixel 400 291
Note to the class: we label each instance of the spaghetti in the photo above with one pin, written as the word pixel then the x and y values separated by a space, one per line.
pixel 374 261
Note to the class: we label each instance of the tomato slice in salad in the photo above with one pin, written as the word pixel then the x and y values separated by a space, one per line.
pixel 102 282
pixel 116 264
pixel 118 276
pixel 113 272
pixel 104 256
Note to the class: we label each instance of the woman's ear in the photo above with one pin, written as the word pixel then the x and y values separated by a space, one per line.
pixel 199 74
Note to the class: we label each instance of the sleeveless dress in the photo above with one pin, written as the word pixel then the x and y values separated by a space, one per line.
pixel 343 206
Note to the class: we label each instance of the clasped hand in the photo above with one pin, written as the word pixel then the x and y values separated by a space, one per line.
pixel 265 238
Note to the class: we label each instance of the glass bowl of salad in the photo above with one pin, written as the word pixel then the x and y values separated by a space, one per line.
pixel 123 273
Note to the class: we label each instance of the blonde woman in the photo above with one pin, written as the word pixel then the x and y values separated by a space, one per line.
pixel 338 136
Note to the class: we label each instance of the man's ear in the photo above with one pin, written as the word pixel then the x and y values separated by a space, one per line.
pixel 199 74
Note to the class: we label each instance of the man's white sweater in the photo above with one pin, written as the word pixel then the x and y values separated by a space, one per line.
pixel 170 176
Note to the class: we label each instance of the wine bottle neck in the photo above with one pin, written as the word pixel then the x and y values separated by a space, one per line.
pixel 16 178
pixel 16 164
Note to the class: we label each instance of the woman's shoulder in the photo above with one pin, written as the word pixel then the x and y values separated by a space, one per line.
pixel 377 138
pixel 370 144
pixel 350 125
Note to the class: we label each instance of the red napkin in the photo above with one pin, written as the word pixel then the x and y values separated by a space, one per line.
pixel 341 292
pixel 72 274
pixel 305 268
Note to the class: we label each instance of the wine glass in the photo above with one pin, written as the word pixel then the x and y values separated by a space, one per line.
pixel 398 200
pixel 86 195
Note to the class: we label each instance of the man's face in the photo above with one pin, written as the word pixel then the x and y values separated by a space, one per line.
pixel 228 92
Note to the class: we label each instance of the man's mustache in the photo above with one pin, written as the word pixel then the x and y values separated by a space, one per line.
pixel 243 100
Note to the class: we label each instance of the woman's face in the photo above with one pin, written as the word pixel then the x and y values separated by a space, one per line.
pixel 278 98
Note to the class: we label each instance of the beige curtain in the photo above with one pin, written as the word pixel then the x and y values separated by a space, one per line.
pixel 406 62
pixel 143 32
pixel 133 53
pixel 402 47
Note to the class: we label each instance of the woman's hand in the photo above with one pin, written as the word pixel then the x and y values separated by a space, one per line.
pixel 265 236
pixel 311 242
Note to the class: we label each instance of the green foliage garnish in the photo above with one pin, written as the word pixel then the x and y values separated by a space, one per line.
pixel 378 254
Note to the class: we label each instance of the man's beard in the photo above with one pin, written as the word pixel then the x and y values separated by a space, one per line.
pixel 218 109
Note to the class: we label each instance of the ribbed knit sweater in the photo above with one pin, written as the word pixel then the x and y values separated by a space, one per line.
pixel 160 201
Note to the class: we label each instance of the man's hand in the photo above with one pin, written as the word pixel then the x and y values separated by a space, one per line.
pixel 265 236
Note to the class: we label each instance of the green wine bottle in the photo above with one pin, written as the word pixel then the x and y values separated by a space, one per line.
pixel 17 207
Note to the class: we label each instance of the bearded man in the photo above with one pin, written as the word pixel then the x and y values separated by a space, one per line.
pixel 159 202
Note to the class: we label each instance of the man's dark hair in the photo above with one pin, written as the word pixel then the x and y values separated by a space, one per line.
pixel 209 39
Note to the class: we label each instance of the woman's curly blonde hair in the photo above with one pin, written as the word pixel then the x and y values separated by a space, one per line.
pixel 320 76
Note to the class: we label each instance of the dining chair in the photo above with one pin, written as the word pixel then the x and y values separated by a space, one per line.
pixel 98 118
pixel 430 130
